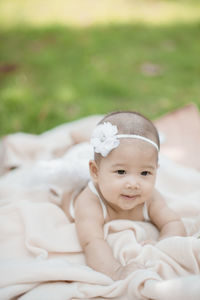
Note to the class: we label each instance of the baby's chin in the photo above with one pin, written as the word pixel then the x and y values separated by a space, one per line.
pixel 130 203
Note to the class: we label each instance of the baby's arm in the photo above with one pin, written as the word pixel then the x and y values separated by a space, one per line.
pixel 167 221
pixel 89 224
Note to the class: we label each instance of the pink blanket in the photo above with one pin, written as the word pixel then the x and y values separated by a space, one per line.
pixel 40 255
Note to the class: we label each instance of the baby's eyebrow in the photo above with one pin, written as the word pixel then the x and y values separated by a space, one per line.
pixel 118 165
pixel 148 167
pixel 139 168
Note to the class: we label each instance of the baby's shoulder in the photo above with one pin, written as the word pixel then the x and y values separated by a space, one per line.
pixel 156 201
pixel 87 201
pixel 156 196
pixel 86 195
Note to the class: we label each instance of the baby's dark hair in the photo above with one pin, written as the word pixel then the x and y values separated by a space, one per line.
pixel 131 122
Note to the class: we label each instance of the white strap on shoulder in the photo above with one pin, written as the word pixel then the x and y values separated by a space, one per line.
pixel 93 189
pixel 145 213
pixel 71 207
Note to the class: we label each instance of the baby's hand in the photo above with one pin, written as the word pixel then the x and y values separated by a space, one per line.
pixel 124 271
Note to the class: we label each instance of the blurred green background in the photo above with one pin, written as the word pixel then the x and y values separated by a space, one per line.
pixel 66 59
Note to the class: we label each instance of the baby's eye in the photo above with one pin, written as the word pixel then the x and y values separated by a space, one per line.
pixel 121 172
pixel 145 173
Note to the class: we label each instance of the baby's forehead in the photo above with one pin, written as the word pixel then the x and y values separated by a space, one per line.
pixel 133 153
pixel 133 145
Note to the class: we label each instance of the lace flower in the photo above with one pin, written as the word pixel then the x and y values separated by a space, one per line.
pixel 104 138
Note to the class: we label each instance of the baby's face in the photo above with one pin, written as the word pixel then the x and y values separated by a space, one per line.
pixel 126 177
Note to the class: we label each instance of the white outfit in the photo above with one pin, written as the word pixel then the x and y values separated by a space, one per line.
pixel 93 189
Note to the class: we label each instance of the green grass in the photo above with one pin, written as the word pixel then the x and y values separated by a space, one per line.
pixel 53 74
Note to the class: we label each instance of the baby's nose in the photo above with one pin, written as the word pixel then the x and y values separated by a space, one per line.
pixel 133 183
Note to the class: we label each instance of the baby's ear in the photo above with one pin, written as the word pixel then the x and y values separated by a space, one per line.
pixel 93 170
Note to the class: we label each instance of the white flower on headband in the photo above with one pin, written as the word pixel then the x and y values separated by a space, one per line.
pixel 104 138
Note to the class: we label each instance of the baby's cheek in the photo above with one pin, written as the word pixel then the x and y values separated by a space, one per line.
pixel 148 190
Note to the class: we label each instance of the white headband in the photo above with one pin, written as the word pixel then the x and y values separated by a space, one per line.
pixel 105 138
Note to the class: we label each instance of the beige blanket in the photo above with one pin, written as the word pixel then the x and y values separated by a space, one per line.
pixel 40 255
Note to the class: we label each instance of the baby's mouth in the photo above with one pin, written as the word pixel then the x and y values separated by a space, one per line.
pixel 130 196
